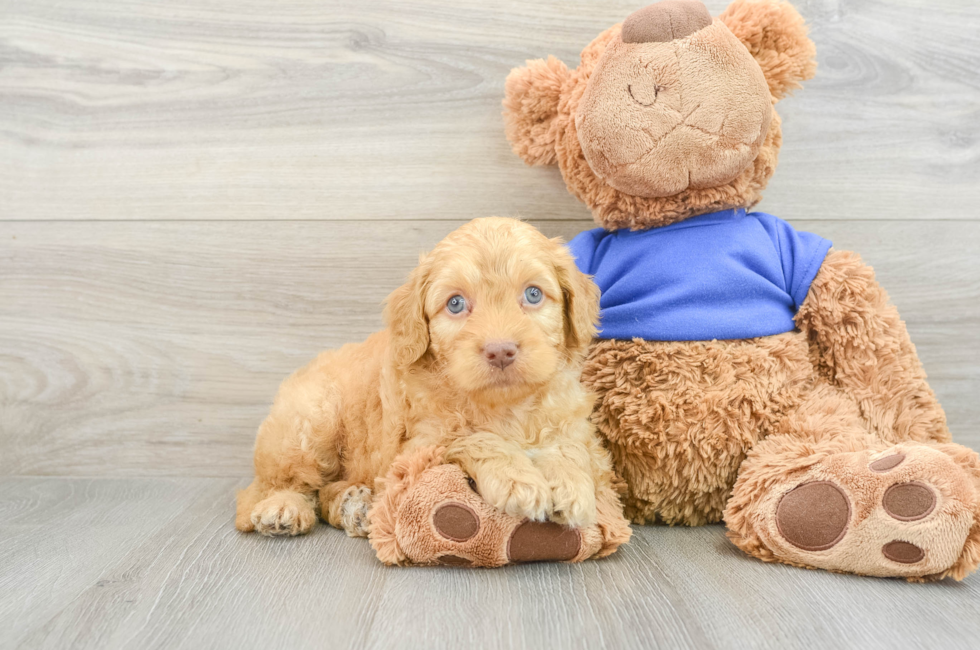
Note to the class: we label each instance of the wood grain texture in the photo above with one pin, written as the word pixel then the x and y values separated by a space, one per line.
pixel 340 110
pixel 162 356
pixel 112 577
pixel 61 538
pixel 196 196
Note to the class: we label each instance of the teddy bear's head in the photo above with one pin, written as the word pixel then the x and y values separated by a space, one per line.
pixel 669 115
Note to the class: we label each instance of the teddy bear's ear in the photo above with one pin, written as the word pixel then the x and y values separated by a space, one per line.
pixel 531 97
pixel 776 36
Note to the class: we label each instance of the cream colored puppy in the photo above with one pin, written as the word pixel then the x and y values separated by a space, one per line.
pixel 482 355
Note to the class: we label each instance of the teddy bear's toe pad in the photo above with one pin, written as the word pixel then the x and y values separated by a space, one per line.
pixel 903 552
pixel 534 541
pixel 909 501
pixel 891 461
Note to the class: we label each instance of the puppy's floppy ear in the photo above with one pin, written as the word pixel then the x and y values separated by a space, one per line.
pixel 531 97
pixel 776 37
pixel 581 302
pixel 405 316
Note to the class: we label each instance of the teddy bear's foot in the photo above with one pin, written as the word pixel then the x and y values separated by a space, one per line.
pixel 429 513
pixel 908 511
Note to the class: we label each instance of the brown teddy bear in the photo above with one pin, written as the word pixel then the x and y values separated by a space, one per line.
pixel 745 371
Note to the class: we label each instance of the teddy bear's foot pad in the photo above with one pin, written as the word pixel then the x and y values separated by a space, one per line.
pixel 904 512
pixel 536 541
pixel 456 522
pixel 813 516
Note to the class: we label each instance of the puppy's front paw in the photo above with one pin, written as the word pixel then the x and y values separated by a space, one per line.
pixel 284 513
pixel 354 510
pixel 523 494
pixel 574 503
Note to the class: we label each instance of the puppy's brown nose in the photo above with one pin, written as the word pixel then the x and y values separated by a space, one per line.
pixel 500 353
pixel 665 21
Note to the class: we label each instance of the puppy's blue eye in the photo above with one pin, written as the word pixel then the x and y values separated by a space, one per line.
pixel 456 304
pixel 533 295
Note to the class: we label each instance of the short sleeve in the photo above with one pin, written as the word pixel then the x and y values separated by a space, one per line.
pixel 801 254
pixel 583 247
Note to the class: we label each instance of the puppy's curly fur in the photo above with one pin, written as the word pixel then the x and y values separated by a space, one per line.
pixel 520 429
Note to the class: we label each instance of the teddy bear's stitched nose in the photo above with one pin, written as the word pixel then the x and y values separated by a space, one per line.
pixel 665 21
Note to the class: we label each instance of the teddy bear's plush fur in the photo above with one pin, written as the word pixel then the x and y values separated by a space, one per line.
pixel 427 512
pixel 822 447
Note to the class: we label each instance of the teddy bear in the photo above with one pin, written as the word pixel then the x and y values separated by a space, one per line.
pixel 745 372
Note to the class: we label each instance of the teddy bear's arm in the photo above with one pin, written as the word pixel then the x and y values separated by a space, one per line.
pixel 860 344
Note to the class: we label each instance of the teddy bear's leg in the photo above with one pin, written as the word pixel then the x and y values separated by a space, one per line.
pixel 823 493
pixel 427 512
pixel 859 343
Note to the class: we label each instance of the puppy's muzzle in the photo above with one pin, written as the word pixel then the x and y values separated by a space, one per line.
pixel 500 353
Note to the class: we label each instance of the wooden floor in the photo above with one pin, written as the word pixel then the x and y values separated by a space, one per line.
pixel 196 196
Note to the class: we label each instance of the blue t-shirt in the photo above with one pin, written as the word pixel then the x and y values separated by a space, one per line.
pixel 724 275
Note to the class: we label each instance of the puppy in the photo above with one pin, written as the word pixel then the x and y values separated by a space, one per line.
pixel 481 355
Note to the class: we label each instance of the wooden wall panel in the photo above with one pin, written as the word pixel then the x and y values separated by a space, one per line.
pixel 133 349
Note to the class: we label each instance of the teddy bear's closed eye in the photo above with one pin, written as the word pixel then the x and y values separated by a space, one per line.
pixel 644 94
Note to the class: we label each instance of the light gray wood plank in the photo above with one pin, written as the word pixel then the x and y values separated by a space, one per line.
pixel 225 109
pixel 59 538
pixel 133 349
pixel 743 602
pixel 195 582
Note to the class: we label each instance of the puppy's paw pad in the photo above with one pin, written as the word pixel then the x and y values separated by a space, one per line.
pixel 283 514
pixel 354 510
